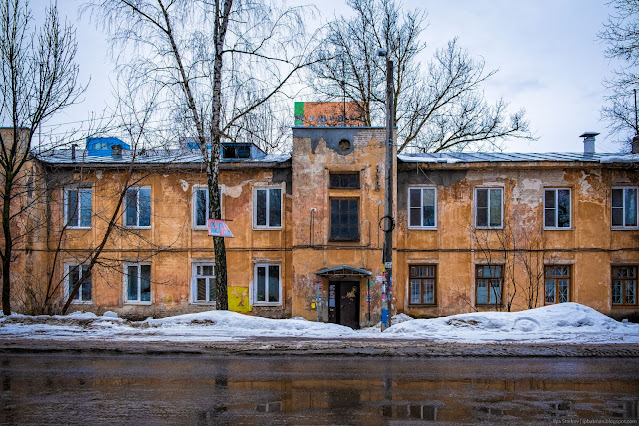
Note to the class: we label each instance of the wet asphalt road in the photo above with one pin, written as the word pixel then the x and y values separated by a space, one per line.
pixel 182 389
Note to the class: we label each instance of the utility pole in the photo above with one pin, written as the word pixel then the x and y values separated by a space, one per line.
pixel 388 222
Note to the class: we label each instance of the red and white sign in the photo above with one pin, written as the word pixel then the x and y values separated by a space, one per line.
pixel 219 228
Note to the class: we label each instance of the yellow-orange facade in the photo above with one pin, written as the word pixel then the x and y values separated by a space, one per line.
pixel 471 233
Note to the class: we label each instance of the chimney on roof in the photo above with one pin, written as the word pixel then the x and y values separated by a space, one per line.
pixel 116 152
pixel 635 145
pixel 73 147
pixel 589 142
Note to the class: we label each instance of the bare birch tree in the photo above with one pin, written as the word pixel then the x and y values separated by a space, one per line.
pixel 215 62
pixel 439 108
pixel 39 78
pixel 621 34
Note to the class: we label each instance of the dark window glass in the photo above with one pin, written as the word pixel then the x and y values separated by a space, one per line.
pixel 201 209
pixel 624 285
pixel 132 282
pixel 275 207
pixel 261 207
pixel 344 180
pixel 273 283
pixel 422 284
pixel 268 207
pixel 344 219
pixel 72 207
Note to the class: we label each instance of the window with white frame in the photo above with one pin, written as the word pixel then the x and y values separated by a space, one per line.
pixel 201 206
pixel 137 283
pixel 203 282
pixel 624 207
pixel 488 207
pixel 267 206
pixel 557 208
pixel 137 207
pixel 77 207
pixel 268 284
pixel 422 208
pixel 78 275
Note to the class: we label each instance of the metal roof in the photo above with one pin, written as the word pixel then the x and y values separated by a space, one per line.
pixel 480 157
pixel 343 271
pixel 173 156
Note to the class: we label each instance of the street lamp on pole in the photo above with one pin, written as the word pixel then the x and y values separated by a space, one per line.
pixel 388 222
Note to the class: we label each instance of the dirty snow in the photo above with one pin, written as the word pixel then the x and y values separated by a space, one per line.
pixel 562 323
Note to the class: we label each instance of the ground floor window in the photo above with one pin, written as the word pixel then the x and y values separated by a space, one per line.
pixel 624 285
pixel 137 283
pixel 268 284
pixel 422 284
pixel 557 284
pixel 79 274
pixel 203 283
pixel 489 279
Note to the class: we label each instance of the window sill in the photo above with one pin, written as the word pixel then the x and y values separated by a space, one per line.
pixel 624 228
pixel 267 228
pixel 135 302
pixel 268 304
pixel 204 303
pixel 488 228
pixel 422 305
pixel 423 228
pixel 489 305
pixel 82 302
pixel 624 306
pixel 199 228
pixel 136 227
pixel 558 229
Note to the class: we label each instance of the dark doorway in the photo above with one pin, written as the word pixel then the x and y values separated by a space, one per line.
pixel 343 303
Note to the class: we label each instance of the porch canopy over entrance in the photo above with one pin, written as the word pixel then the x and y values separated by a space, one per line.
pixel 343 272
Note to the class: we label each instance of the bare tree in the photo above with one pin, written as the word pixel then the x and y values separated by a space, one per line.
pixel 440 108
pixel 215 63
pixel 39 78
pixel 621 34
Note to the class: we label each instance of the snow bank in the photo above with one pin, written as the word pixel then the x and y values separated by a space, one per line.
pixel 562 323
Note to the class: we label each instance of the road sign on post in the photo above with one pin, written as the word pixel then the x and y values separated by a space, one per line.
pixel 219 228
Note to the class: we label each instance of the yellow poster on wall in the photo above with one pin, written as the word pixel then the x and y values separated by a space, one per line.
pixel 239 299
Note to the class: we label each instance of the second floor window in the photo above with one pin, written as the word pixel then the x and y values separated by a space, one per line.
pixel 489 280
pixel 201 206
pixel 624 207
pixel 557 208
pixel 268 208
pixel 344 219
pixel 137 207
pixel 422 210
pixel 488 207
pixel 77 207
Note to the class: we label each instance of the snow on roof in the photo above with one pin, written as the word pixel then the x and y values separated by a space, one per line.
pixel 476 157
pixel 160 156
pixel 561 323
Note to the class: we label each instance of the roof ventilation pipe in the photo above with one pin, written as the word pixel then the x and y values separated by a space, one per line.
pixel 589 142
pixel 116 152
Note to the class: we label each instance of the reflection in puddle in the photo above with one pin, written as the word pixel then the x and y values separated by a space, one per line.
pixel 82 389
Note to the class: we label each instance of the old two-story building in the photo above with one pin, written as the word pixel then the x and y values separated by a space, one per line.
pixel 473 231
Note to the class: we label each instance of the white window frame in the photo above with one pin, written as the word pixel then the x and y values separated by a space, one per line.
pixel 255 292
pixel 194 205
pixel 624 226
pixel 501 222
pixel 67 285
pixel 137 301
pixel 194 278
pixel 555 227
pixel 421 204
pixel 268 198
pixel 66 206
pixel 137 208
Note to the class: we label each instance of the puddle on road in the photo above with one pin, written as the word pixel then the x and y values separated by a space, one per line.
pixel 252 390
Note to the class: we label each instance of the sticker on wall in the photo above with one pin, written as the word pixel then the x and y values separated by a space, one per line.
pixel 239 299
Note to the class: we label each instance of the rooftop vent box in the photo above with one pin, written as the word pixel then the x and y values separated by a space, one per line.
pixel 241 151
pixel 103 147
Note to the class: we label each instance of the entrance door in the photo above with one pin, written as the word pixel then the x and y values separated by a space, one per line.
pixel 344 303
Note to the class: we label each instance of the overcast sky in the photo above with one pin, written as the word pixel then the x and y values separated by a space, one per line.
pixel 549 59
